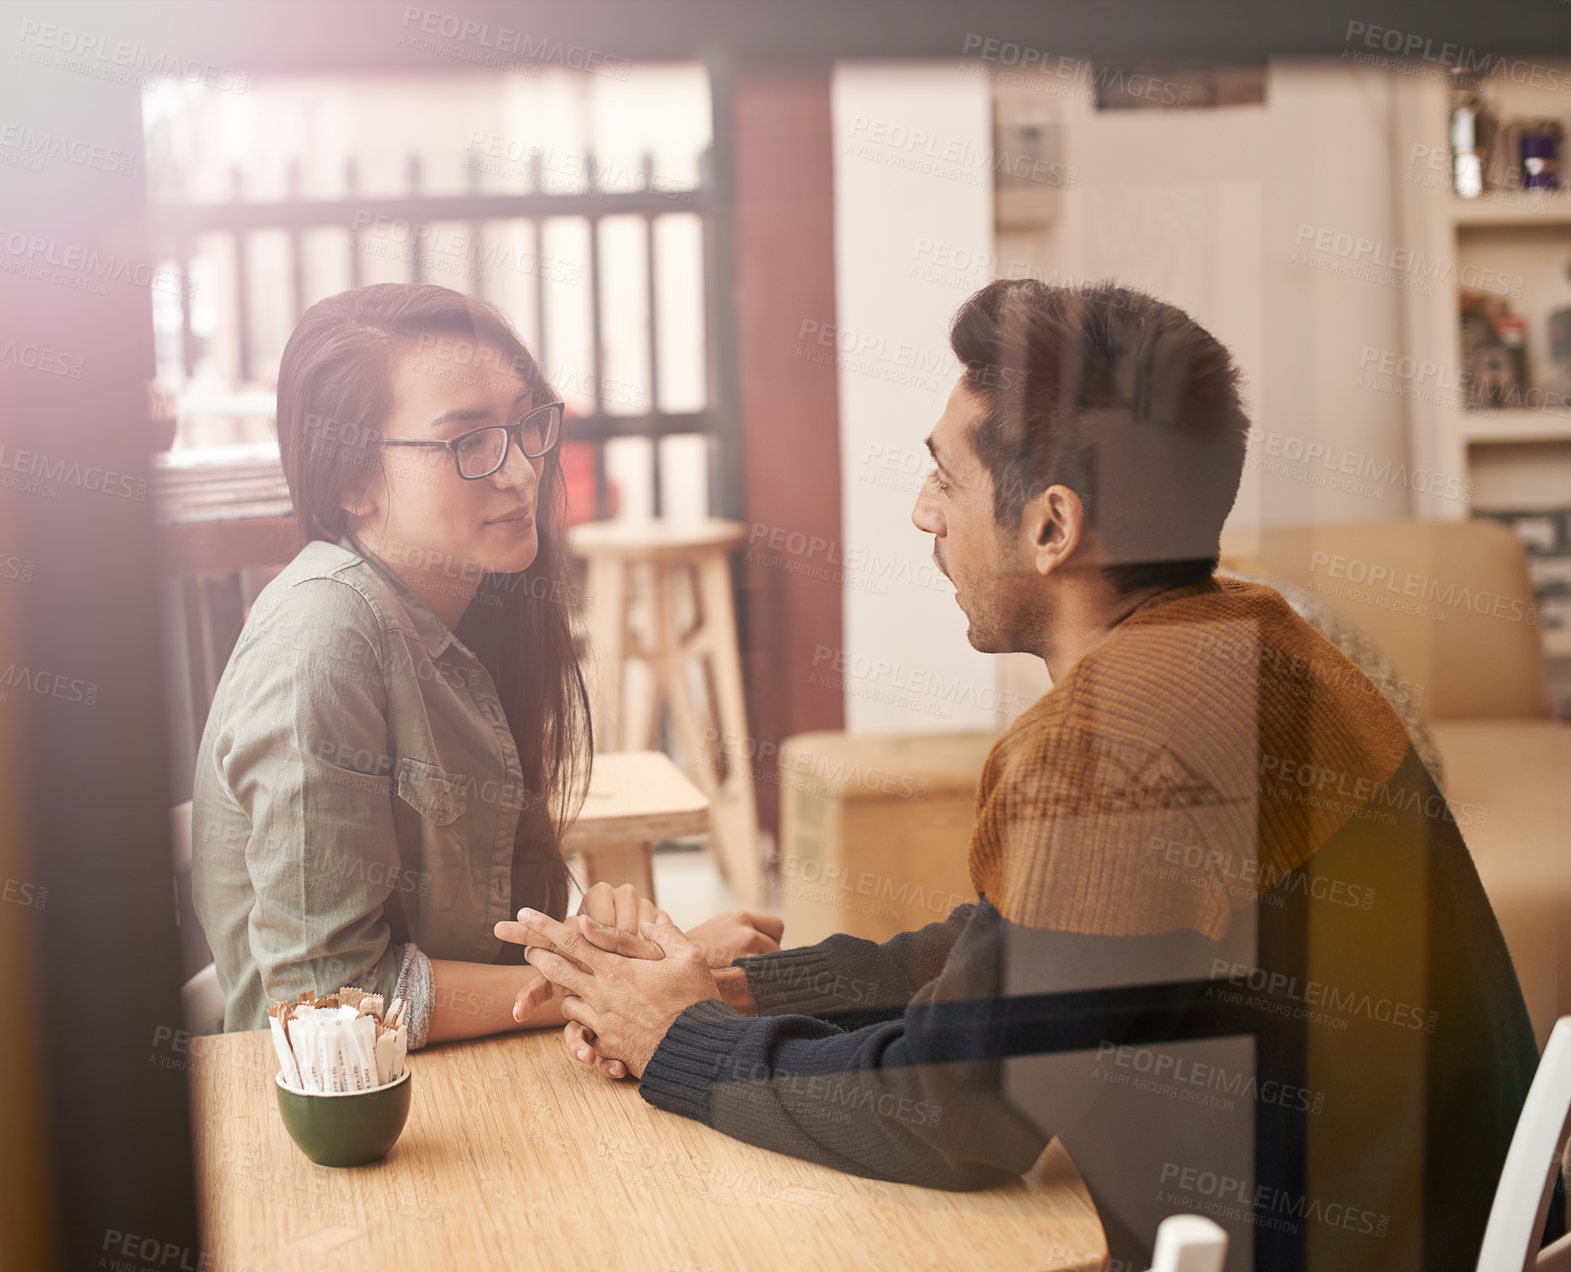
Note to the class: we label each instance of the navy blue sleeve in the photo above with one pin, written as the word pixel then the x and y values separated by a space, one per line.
pixel 906 1099
pixel 846 978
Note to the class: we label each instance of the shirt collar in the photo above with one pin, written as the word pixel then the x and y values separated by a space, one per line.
pixel 1183 593
pixel 434 634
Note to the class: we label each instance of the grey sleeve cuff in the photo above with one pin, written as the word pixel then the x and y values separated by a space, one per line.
pixel 681 1076
pixel 418 990
pixel 798 982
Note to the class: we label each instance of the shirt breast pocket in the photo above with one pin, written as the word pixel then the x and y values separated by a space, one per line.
pixel 441 800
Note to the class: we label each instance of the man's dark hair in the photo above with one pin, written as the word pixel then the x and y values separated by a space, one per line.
pixel 1127 401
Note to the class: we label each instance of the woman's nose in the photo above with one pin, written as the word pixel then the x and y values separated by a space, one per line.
pixel 517 469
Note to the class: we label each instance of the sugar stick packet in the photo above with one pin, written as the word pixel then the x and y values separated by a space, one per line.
pixel 339 1043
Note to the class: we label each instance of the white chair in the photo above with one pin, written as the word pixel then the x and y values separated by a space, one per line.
pixel 1189 1243
pixel 1516 1221
pixel 202 1003
pixel 180 837
pixel 201 1000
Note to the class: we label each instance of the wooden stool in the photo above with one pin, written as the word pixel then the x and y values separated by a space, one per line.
pixel 635 799
pixel 634 614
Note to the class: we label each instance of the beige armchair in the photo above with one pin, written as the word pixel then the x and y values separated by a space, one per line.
pixel 1453 609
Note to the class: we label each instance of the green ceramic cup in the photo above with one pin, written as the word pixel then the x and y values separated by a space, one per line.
pixel 348 1128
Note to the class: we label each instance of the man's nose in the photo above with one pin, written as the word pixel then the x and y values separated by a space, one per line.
pixel 924 516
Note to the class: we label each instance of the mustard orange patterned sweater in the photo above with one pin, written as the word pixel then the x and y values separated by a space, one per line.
pixel 1229 946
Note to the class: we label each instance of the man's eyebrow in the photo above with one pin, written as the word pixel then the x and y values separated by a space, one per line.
pixel 933 451
pixel 462 415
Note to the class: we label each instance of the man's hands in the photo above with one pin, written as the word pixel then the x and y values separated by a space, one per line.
pixel 628 1003
pixel 610 918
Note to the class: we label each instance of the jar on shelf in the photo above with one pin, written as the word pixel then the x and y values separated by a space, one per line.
pixel 1472 134
pixel 1540 146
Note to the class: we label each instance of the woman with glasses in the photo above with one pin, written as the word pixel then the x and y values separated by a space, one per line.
pixel 401 735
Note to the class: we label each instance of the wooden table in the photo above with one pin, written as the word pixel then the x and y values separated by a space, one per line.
pixel 635 799
pixel 515 1158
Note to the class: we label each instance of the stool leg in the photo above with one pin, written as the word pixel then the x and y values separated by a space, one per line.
pixel 634 864
pixel 641 684
pixel 674 693
pixel 608 601
pixel 735 812
pixel 699 747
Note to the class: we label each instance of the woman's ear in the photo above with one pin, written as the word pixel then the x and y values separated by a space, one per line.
pixel 358 503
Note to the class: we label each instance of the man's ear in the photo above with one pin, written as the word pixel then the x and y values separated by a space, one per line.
pixel 1055 519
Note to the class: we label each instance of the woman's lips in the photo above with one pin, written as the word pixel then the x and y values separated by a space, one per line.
pixel 521 520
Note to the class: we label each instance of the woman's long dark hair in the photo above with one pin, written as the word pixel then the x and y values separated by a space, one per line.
pixel 334 396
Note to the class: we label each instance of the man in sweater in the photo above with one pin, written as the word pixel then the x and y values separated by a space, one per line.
pixel 1228 945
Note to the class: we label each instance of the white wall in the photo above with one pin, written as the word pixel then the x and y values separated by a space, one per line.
pixel 910 164
pixel 1204 209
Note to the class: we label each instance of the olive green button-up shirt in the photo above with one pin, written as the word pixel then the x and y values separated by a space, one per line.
pixel 357 791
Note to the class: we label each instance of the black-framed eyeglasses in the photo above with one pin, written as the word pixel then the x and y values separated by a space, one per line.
pixel 482 451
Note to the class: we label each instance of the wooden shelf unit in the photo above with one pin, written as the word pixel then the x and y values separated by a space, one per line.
pixel 1518 233
pixel 1508 458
